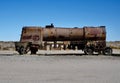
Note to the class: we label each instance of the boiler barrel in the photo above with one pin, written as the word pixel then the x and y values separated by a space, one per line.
pixel 63 34
pixel 38 34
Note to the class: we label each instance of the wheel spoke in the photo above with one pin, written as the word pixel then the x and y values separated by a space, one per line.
pixel 88 51
pixel 108 51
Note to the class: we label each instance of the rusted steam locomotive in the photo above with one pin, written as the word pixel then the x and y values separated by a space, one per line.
pixel 88 39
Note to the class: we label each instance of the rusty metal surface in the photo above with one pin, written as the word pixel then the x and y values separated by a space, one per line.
pixel 38 34
pixel 77 34
pixel 49 34
pixel 31 34
pixel 62 34
pixel 95 33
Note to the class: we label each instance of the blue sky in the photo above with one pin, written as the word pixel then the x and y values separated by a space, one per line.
pixel 14 14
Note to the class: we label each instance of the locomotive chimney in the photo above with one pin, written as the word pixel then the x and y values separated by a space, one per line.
pixel 49 26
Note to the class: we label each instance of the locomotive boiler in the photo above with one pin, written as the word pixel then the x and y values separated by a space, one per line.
pixel 88 39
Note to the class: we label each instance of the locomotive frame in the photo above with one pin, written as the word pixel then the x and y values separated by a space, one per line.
pixel 87 39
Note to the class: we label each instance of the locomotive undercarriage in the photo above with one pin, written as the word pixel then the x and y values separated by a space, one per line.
pixel 89 47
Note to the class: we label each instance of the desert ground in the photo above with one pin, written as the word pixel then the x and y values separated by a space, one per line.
pixel 66 67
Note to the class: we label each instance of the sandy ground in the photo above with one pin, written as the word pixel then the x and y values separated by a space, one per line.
pixel 59 69
pixel 54 52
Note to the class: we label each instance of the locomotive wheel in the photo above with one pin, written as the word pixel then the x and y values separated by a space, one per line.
pixel 88 51
pixel 107 51
pixel 21 50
